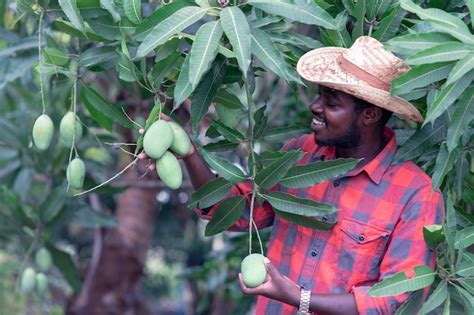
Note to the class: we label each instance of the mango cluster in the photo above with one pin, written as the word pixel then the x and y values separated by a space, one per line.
pixel 31 280
pixel 70 132
pixel 161 137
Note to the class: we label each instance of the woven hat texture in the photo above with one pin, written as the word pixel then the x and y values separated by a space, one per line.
pixel 364 70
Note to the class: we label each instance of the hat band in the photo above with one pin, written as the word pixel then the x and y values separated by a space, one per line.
pixel 362 74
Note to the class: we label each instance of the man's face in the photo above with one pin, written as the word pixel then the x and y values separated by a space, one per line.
pixel 335 121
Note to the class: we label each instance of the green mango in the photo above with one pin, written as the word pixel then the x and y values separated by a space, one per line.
pixel 41 283
pixel 169 170
pixel 181 143
pixel 157 139
pixel 43 132
pixel 253 269
pixel 43 259
pixel 75 173
pixel 70 123
pixel 28 279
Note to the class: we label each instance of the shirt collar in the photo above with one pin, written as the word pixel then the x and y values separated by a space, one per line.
pixel 376 168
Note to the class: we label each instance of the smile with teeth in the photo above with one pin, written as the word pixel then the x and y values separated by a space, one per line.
pixel 318 122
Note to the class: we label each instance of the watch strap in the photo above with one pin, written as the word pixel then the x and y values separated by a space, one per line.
pixel 305 299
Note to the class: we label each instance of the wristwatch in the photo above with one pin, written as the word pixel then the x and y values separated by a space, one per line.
pixel 305 298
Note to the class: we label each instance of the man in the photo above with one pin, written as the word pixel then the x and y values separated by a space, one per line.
pixel 382 207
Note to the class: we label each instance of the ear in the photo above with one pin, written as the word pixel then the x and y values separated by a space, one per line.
pixel 371 115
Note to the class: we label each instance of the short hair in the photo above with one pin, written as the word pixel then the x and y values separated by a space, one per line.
pixel 363 104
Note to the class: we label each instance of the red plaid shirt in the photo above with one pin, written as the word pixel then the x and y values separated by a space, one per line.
pixel 379 230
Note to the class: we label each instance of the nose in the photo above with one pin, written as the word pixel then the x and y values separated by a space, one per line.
pixel 316 106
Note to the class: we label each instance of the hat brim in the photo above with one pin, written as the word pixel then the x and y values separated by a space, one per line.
pixel 321 66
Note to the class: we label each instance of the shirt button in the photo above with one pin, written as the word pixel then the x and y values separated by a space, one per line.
pixel 361 238
pixel 336 183
pixel 325 218
pixel 314 253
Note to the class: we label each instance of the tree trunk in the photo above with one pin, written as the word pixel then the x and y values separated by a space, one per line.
pixel 111 285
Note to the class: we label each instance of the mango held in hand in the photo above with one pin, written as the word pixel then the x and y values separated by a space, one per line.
pixel 169 170
pixel 28 279
pixel 253 270
pixel 75 173
pixel 68 125
pixel 41 283
pixel 181 143
pixel 43 132
pixel 43 259
pixel 157 139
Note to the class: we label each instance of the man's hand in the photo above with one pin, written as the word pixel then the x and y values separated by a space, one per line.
pixel 277 286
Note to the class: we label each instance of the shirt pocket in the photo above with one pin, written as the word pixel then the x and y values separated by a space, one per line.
pixel 362 249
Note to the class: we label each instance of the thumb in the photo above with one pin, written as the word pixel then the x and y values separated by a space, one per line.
pixel 271 269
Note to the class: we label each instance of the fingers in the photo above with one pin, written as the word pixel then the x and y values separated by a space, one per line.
pixel 165 117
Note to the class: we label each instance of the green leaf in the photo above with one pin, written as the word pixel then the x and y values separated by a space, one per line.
pixel 390 24
pixel 96 55
pixel 223 167
pixel 412 305
pixel 105 28
pixel 133 10
pixel 466 235
pixel 462 117
pixel 281 133
pixel 300 206
pixel 22 183
pixel 399 283
pixel 183 88
pixel 436 298
pixel 101 118
pixel 416 42
pixel 161 69
pixel 90 96
pixel 262 121
pixel 338 37
pixel 420 76
pixel 90 218
pixel 444 163
pixel 226 98
pixel 447 96
pixel 308 222
pixel 177 22
pixel 433 235
pixel 444 52
pixel 307 12
pixel 66 266
pixel 295 39
pixel 210 193
pixel 269 54
pixel 206 91
pixel 441 21
pixel 220 146
pixel 20 46
pixel 126 69
pixel 462 67
pixel 360 9
pixel 69 8
pixel 466 299
pixel 269 176
pixel 204 50
pixel 318 172
pixel 226 214
pixel 230 134
pixel 237 30
pixel 109 5
pixel 54 202
pixel 163 12
pixel 422 139
pixel 55 56
pixel 466 269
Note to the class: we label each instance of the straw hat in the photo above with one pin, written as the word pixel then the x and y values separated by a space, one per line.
pixel 365 70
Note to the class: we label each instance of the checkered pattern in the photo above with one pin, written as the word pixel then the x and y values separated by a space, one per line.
pixel 379 230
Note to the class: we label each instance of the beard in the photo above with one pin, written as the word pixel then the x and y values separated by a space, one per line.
pixel 348 141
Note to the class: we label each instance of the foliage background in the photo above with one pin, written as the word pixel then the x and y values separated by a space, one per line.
pixel 134 245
